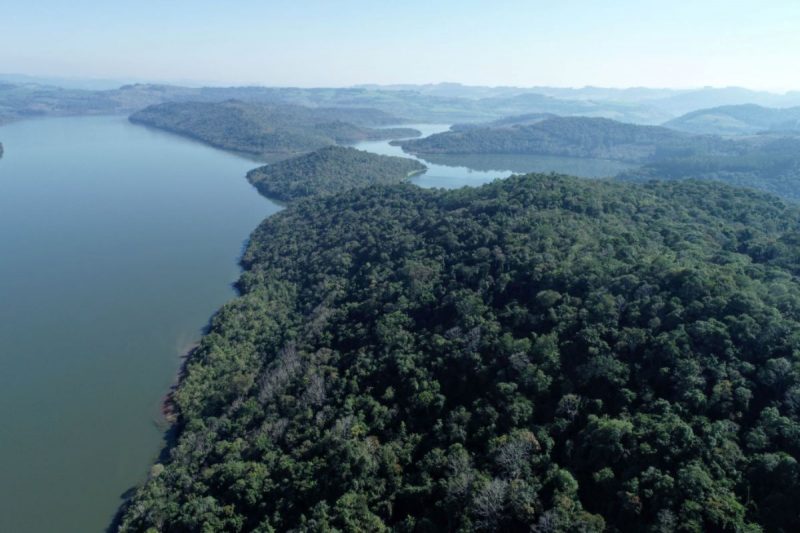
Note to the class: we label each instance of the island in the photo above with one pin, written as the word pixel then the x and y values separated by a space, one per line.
pixel 541 352
pixel 264 130
pixel 329 170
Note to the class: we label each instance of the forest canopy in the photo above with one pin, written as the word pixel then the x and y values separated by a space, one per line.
pixel 542 353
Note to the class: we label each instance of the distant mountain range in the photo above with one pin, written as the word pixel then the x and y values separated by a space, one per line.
pixel 673 102
pixel 18 101
pixel 21 97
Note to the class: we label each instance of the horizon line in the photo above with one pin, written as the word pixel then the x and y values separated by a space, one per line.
pixel 193 83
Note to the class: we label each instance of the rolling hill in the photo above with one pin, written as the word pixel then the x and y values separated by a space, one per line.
pixel 266 129
pixel 738 120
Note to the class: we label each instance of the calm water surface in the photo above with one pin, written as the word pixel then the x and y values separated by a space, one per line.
pixel 117 243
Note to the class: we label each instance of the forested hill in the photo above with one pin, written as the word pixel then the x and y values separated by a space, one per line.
pixel 330 170
pixel 738 120
pixel 768 163
pixel 568 136
pixel 264 129
pixel 541 351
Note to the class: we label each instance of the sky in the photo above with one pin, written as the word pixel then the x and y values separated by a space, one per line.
pixel 567 43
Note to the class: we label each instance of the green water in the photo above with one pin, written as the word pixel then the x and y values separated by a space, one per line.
pixel 117 243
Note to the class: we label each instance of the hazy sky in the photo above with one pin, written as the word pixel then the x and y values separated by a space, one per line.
pixel 670 43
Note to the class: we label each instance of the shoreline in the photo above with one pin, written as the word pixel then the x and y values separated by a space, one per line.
pixel 170 421
pixel 168 407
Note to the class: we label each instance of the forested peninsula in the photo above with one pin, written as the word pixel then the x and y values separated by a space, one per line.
pixel 568 136
pixel 330 170
pixel 542 352
pixel 264 130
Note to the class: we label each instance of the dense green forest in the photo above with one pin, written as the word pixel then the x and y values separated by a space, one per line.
pixel 264 129
pixel 744 119
pixel 543 353
pixel 572 137
pixel 330 170
pixel 766 163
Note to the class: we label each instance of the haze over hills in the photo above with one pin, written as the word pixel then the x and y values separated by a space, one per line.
pixel 422 103
pixel 682 103
pixel 28 101
pixel 673 102
pixel 746 119
pixel 21 101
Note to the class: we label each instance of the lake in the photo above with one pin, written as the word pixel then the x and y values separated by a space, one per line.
pixel 117 244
